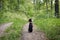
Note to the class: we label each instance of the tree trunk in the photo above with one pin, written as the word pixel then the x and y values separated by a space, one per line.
pixel 57 8
pixel 47 8
pixel 51 5
pixel 1 5
pixel 18 4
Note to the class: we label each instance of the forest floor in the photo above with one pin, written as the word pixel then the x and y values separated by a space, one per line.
pixel 35 35
pixel 3 27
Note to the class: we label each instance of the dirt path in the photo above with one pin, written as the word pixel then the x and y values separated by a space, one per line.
pixel 4 26
pixel 35 35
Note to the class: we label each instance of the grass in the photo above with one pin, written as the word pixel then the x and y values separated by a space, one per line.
pixel 11 16
pixel 13 32
pixel 50 26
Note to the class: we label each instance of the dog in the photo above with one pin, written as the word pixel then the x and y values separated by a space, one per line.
pixel 30 29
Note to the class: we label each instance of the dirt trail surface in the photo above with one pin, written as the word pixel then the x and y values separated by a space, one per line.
pixel 35 35
pixel 3 27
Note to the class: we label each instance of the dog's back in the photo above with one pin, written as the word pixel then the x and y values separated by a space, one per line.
pixel 30 27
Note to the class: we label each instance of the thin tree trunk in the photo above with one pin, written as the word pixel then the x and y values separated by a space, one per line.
pixel 57 8
pixel 47 8
pixel 18 4
pixel 1 5
pixel 51 5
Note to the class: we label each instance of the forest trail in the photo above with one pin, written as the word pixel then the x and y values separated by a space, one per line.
pixel 4 26
pixel 35 35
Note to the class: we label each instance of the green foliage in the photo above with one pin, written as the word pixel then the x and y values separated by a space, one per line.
pixel 13 32
pixel 50 26
pixel 19 11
